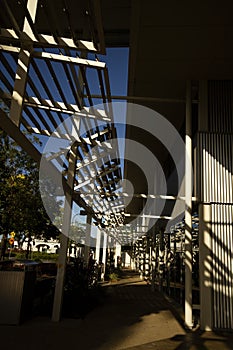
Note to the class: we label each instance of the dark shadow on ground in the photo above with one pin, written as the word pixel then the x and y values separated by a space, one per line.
pixel 192 340
pixel 111 324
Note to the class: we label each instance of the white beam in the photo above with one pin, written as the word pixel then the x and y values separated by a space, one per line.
pixel 97 247
pixel 188 209
pixel 22 69
pixel 87 240
pixel 32 8
pixel 8 34
pixel 69 59
pixel 48 40
pixel 143 98
pixel 105 237
pixel 67 42
pixel 58 106
pixel 61 265
pixel 9 48
pixel 117 252
pixel 20 86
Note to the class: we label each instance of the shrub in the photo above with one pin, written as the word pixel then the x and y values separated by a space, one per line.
pixel 37 256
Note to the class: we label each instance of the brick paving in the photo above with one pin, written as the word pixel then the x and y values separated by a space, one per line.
pixel 131 317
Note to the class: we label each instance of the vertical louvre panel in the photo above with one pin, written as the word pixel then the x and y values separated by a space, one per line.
pixel 220 97
pixel 216 171
pixel 216 176
pixel 222 254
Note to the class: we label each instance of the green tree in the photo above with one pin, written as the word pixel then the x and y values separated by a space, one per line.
pixel 21 207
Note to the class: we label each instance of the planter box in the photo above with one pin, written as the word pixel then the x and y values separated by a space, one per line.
pixel 16 296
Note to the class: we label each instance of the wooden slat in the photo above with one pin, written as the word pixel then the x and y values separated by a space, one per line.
pixel 69 59
pixel 12 18
pixel 8 48
pixel 29 18
pixel 48 41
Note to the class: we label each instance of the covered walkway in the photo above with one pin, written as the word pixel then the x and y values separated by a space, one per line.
pixel 131 316
pixel 173 214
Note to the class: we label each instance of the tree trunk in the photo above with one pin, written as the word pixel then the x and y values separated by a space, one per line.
pixel 3 246
pixel 28 246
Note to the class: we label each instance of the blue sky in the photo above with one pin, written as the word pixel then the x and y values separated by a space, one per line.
pixel 117 62
pixel 115 58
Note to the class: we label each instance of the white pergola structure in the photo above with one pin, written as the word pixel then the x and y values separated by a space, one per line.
pixel 47 79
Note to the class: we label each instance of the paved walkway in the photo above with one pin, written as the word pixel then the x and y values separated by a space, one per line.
pixel 130 317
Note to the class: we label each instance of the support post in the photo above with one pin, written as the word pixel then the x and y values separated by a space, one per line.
pixel 140 264
pixel 104 255
pixel 117 252
pixel 188 208
pixel 97 246
pixel 87 239
pixel 161 260
pixel 153 260
pixel 61 266
pixel 23 67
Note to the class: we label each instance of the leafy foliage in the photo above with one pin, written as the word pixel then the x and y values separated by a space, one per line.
pixel 21 207
pixel 37 256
